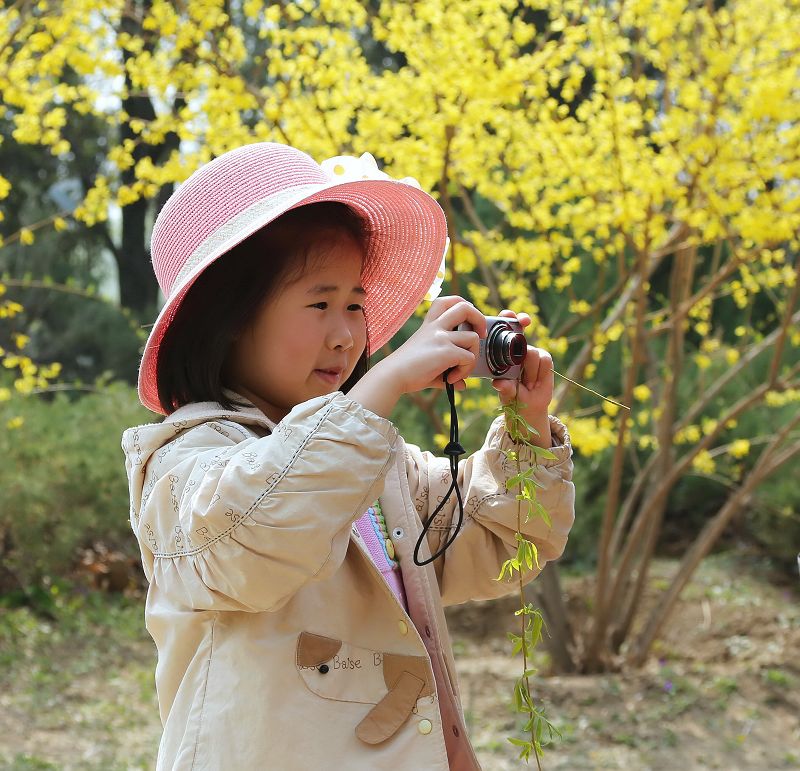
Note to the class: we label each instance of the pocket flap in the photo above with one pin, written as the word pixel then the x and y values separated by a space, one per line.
pixel 391 711
pixel 394 665
pixel 314 649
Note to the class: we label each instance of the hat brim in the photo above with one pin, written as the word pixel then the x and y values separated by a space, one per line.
pixel 406 238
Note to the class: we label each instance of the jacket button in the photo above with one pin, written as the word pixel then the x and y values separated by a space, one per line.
pixel 323 669
pixel 402 626
pixel 425 726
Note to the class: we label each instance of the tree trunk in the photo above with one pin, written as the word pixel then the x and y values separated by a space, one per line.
pixel 137 288
pixel 137 285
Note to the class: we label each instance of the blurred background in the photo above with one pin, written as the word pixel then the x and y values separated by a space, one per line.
pixel 626 172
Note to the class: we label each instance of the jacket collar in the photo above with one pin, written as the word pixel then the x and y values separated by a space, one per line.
pixel 198 412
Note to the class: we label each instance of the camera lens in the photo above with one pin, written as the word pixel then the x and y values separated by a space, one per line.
pixel 504 348
pixel 517 347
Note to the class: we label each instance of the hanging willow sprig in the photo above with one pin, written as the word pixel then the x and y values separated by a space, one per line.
pixel 538 731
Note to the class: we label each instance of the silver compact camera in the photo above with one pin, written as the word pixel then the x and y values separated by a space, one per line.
pixel 502 351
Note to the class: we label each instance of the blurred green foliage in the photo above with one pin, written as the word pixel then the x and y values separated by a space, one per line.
pixel 62 481
pixel 88 335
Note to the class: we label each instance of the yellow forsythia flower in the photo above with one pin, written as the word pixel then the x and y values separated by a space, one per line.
pixel 52 371
pixel 739 448
pixel 688 435
pixel 702 361
pixel 704 463
pixel 610 409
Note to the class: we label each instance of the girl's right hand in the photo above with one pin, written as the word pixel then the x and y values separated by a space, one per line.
pixel 437 347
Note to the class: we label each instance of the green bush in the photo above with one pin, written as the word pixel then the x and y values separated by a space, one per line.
pixel 62 481
pixel 87 337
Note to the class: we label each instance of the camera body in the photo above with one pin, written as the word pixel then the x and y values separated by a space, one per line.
pixel 502 351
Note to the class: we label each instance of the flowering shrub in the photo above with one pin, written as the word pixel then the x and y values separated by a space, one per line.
pixel 625 172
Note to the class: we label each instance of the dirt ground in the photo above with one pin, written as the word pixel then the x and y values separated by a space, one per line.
pixel 721 691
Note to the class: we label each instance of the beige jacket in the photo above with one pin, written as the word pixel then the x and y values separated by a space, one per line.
pixel 280 645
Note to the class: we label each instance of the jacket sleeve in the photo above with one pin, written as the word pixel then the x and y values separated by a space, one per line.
pixel 469 568
pixel 233 523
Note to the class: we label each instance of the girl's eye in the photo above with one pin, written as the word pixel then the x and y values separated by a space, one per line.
pixel 323 306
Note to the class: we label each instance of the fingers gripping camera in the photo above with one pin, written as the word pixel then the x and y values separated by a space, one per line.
pixel 502 351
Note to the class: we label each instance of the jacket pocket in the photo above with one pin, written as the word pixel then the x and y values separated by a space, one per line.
pixel 338 670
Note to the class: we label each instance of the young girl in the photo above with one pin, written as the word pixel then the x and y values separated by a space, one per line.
pixel 276 507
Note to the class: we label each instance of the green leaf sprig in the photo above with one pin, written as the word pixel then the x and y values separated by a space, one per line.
pixel 538 730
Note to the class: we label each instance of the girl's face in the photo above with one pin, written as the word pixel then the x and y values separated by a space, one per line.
pixel 307 338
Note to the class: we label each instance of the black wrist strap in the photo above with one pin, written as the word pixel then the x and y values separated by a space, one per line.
pixel 453 451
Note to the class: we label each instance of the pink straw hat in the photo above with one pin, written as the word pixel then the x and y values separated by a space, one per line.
pixel 240 192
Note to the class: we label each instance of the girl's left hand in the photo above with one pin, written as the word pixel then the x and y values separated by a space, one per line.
pixel 535 386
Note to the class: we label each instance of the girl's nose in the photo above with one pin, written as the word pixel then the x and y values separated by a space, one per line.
pixel 340 337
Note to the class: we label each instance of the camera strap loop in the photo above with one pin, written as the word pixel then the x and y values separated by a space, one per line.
pixel 453 451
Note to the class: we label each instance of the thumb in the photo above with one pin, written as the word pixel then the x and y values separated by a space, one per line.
pixel 506 389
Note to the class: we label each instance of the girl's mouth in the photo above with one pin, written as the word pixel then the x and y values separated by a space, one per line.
pixel 330 376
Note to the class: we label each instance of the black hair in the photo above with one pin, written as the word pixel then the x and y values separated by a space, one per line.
pixel 222 302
